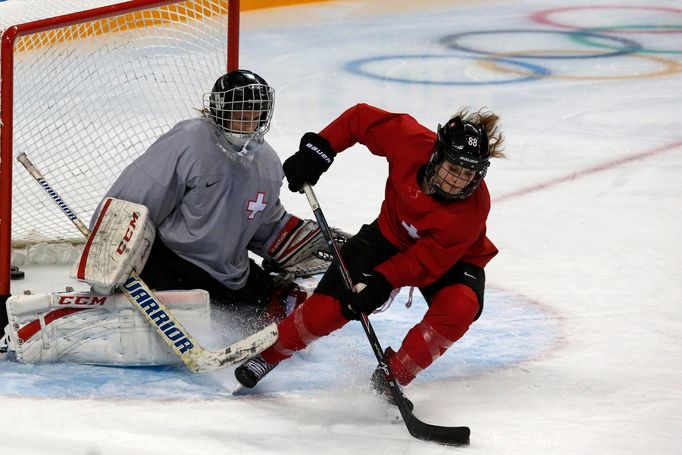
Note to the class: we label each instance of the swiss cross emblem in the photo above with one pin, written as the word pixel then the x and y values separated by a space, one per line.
pixel 413 192
pixel 411 230
pixel 256 206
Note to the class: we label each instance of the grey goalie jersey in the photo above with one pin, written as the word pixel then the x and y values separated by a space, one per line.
pixel 209 199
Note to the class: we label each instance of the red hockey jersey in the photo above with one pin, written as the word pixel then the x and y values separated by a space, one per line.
pixel 431 235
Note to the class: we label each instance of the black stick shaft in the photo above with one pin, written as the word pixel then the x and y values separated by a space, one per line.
pixel 417 428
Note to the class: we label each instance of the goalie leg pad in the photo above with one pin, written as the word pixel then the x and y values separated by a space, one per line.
pixel 89 328
pixel 119 244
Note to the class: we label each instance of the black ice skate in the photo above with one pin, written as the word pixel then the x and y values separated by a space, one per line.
pixel 4 344
pixel 253 370
pixel 380 386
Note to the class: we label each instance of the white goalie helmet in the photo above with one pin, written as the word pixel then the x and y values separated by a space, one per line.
pixel 241 103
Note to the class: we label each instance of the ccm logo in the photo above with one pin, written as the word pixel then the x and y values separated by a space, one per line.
pixel 129 234
pixel 89 300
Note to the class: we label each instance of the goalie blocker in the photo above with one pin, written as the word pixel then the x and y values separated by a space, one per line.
pixel 119 244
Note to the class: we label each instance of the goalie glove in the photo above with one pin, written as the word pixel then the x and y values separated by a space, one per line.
pixel 310 267
pixel 316 264
pixel 298 241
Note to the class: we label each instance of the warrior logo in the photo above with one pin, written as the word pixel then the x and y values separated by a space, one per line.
pixel 157 315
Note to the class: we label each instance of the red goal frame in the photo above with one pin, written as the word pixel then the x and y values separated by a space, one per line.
pixel 7 43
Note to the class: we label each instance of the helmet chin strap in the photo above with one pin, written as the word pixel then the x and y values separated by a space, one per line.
pixel 425 184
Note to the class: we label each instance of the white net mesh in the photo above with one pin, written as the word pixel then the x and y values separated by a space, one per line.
pixel 89 98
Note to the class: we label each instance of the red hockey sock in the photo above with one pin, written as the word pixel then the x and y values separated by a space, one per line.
pixel 451 313
pixel 283 302
pixel 317 317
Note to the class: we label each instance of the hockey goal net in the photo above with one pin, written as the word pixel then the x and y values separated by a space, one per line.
pixel 88 85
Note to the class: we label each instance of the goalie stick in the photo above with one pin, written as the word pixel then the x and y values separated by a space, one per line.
pixel 444 435
pixel 196 358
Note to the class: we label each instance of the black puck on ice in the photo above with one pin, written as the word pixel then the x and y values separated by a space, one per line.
pixel 16 274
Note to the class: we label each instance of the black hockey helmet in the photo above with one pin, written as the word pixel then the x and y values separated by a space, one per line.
pixel 236 93
pixel 463 145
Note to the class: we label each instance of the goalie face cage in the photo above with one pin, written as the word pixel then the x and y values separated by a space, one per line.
pixel 85 90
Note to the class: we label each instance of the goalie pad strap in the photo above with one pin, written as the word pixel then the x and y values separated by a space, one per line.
pixel 26 332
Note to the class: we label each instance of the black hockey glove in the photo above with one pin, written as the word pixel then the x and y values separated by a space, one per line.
pixel 314 157
pixel 376 291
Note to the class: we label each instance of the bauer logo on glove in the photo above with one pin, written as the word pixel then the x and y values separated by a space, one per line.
pixel 313 158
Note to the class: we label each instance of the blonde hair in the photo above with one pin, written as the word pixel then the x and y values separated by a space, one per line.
pixel 489 121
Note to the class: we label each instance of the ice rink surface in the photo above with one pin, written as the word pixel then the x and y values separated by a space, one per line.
pixel 578 350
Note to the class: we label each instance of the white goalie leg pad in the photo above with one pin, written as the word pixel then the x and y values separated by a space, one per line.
pixel 119 244
pixel 90 328
pixel 296 242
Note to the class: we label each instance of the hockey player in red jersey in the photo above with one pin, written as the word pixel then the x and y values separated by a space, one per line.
pixel 430 234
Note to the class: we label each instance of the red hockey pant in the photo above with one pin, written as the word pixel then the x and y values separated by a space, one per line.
pixel 449 316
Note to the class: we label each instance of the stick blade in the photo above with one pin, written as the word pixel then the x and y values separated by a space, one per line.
pixel 241 350
pixel 450 436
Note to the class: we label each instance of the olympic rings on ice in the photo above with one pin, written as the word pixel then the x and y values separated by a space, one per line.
pixel 392 63
pixel 544 17
pixel 628 46
pixel 583 39
pixel 667 68
pixel 400 68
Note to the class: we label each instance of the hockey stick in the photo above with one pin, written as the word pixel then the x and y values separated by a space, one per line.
pixel 196 358
pixel 420 430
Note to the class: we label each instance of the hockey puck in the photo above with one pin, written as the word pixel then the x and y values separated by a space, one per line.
pixel 16 274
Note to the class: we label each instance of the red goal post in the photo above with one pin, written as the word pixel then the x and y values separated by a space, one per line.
pixel 85 90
